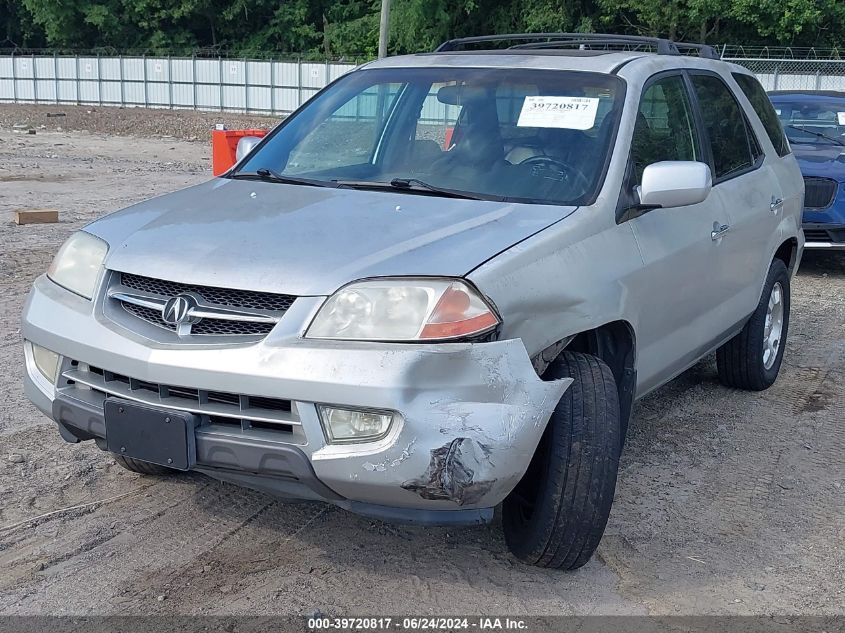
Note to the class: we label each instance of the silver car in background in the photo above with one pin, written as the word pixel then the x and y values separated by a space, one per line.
pixel 439 286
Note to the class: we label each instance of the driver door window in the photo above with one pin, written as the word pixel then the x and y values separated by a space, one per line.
pixel 665 127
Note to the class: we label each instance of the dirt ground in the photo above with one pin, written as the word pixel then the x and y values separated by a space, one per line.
pixel 727 502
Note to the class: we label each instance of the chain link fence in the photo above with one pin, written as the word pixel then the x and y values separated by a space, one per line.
pixel 796 74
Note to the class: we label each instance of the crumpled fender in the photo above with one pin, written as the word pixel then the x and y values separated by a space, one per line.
pixel 473 417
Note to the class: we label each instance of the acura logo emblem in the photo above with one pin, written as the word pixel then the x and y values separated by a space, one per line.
pixel 177 311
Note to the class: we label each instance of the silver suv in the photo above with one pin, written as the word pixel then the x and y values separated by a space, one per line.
pixel 438 286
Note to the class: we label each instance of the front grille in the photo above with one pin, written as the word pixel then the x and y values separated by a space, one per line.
pixel 248 299
pixel 271 306
pixel 206 327
pixel 221 408
pixel 149 315
pixel 219 327
pixel 819 192
pixel 816 235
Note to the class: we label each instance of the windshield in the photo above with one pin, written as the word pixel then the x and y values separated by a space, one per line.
pixel 811 119
pixel 518 135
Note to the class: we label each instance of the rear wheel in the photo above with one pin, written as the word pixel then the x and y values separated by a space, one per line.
pixel 143 468
pixel 556 515
pixel 751 360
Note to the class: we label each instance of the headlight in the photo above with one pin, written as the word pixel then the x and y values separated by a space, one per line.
pixel 77 264
pixel 403 310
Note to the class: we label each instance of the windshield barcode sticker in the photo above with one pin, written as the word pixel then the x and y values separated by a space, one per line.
pixel 841 117
pixel 573 113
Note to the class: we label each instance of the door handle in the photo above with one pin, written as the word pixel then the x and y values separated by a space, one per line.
pixel 719 231
pixel 776 205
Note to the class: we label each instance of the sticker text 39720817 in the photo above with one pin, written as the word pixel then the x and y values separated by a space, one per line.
pixel 574 113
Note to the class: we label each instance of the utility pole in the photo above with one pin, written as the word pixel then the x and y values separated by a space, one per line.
pixel 384 28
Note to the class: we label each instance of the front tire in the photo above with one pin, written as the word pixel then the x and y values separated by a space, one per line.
pixel 142 467
pixel 751 360
pixel 556 515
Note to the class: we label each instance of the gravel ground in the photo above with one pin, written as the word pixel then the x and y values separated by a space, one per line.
pixel 181 124
pixel 727 502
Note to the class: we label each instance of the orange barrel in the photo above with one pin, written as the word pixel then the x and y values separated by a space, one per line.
pixel 224 144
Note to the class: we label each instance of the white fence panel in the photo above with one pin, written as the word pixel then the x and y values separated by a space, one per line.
pixel 133 69
pixel 234 98
pixel 182 70
pixel 259 73
pixel 286 99
pixel 259 98
pixel 234 71
pixel 45 67
pixel 208 71
pixel 45 89
pixel 157 70
pixel 24 68
pixel 109 69
pixel 158 94
pixel 89 92
pixel 314 75
pixel 183 95
pixel 832 82
pixel 133 93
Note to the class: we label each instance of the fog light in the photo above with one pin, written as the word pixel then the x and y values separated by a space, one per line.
pixel 354 425
pixel 46 361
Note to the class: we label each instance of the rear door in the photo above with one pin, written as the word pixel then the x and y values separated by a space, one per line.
pixel 788 204
pixel 746 188
pixel 679 290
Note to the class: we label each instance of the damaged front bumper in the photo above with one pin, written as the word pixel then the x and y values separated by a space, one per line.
pixel 469 415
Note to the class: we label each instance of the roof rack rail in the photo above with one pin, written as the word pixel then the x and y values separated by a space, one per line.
pixel 560 40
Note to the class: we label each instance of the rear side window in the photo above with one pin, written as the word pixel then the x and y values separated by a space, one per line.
pixel 764 109
pixel 732 143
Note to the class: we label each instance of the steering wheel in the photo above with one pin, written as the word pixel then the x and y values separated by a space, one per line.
pixel 568 174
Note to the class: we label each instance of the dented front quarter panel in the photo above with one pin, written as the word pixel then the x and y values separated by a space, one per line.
pixel 472 418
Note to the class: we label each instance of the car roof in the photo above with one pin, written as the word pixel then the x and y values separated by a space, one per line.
pixel 580 60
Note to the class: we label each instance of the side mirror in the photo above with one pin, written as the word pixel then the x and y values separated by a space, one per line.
pixel 675 183
pixel 245 146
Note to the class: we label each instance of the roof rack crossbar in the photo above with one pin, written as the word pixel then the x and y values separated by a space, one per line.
pixel 594 42
pixel 704 50
pixel 554 40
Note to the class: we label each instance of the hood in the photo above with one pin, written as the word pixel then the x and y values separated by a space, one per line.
pixel 302 240
pixel 822 161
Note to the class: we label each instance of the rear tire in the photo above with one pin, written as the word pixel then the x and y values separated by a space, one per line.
pixel 143 468
pixel 750 360
pixel 556 515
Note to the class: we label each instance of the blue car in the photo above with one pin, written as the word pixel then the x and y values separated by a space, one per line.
pixel 814 121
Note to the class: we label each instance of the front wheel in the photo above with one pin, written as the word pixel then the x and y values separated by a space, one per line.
pixel 143 468
pixel 556 515
pixel 751 360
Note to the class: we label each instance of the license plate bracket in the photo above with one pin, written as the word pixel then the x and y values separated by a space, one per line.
pixel 150 434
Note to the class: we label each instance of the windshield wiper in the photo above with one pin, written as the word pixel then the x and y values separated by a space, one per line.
pixel 817 134
pixel 414 185
pixel 269 175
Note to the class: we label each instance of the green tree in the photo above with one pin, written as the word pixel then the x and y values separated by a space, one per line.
pixel 350 27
